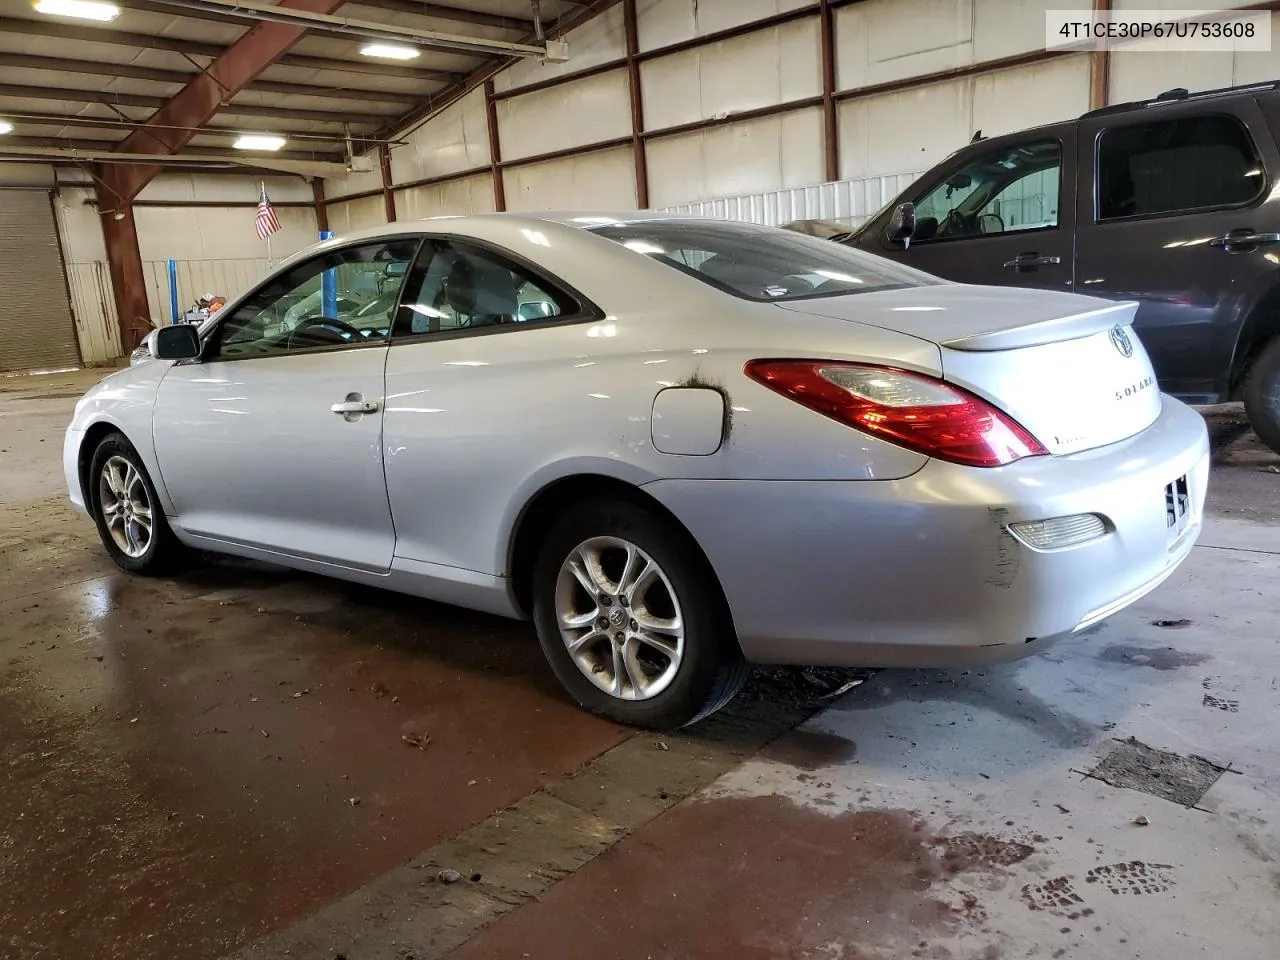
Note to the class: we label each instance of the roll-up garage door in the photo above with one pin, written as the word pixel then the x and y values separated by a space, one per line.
pixel 36 328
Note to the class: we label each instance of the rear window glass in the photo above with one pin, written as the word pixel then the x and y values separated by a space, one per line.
pixel 761 263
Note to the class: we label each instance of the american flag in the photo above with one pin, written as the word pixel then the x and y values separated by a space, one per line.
pixel 266 222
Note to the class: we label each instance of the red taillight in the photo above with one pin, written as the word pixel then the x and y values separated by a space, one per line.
pixel 914 411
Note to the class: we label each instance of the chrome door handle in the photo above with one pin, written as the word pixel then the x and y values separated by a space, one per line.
pixel 354 407
pixel 1024 260
pixel 1243 238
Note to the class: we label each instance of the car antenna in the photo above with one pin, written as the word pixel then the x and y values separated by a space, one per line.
pixel 977 136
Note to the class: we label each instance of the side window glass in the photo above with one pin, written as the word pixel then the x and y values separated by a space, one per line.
pixel 1174 166
pixel 458 286
pixel 1008 190
pixel 344 297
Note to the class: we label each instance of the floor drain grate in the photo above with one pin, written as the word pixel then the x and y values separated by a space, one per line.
pixel 1169 776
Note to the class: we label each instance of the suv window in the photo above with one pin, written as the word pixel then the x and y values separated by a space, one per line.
pixel 1008 190
pixel 760 263
pixel 1173 166
pixel 342 297
pixel 460 286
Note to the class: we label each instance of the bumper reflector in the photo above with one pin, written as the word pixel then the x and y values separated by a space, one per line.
pixel 1059 532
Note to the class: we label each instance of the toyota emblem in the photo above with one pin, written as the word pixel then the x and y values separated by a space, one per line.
pixel 1120 340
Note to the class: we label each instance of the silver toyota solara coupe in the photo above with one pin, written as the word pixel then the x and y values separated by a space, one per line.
pixel 679 446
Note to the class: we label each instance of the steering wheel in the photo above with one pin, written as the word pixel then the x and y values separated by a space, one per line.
pixel 955 225
pixel 327 323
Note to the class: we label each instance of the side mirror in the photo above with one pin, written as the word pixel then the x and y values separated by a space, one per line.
pixel 181 341
pixel 902 225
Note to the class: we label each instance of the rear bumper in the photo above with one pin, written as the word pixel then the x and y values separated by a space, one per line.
pixel 923 571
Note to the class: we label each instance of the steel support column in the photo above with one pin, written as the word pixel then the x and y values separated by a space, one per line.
pixel 322 209
pixel 495 147
pixel 1100 64
pixel 388 197
pixel 124 261
pixel 830 128
pixel 637 105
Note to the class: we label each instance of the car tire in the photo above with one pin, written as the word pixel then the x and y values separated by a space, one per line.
pixel 669 602
pixel 124 505
pixel 1262 395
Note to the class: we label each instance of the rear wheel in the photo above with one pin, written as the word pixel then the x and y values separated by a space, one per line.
pixel 130 520
pixel 1262 395
pixel 631 619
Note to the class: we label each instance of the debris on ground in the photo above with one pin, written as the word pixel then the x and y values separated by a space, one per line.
pixel 354 801
pixel 1141 821
pixel 448 875
pixel 1061 808
pixel 1183 622
pixel 380 690
pixel 662 745
pixel 419 740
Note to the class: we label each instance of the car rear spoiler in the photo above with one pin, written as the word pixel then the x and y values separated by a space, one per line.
pixel 1071 327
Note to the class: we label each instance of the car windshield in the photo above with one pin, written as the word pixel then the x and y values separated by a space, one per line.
pixel 761 263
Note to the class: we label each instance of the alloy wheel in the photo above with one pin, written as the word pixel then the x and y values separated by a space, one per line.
pixel 125 505
pixel 619 618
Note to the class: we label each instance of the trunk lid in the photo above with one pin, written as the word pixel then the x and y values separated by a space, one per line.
pixel 1068 368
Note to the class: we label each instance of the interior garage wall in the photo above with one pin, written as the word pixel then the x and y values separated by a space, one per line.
pixel 204 221
pixel 677 102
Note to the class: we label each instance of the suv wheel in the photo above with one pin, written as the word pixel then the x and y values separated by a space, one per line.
pixel 631 619
pixel 1262 395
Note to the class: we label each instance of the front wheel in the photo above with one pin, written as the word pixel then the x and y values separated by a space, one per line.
pixel 124 505
pixel 1262 395
pixel 631 619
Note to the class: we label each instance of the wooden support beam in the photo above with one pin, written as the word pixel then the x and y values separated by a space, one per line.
pixel 1100 65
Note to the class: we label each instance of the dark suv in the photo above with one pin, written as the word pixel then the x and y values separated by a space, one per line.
pixel 1172 202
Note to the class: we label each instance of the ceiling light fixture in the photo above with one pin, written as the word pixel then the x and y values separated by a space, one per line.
pixel 258 141
pixel 6 127
pixel 389 51
pixel 78 9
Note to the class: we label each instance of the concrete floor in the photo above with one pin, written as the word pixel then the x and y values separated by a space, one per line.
pixel 230 761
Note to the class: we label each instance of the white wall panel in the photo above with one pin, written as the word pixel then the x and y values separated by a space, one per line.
pixel 605 180
pixel 660 23
pixel 754 156
pixel 81 228
pixel 574 114
pixel 1138 75
pixel 455 139
pixel 219 233
pixel 356 214
pixel 206 188
pixel 348 183
pixel 908 130
pixel 1003 28
pixel 1010 100
pixel 469 195
pixel 599 40
pixel 914 129
pixel 884 40
pixel 760 69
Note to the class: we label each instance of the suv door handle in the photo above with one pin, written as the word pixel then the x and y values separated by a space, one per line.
pixel 1243 238
pixel 354 407
pixel 1029 261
